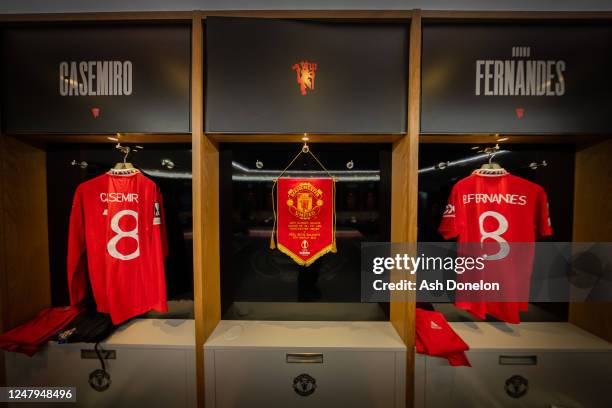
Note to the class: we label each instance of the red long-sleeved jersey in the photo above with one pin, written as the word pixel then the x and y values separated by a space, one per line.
pixel 506 214
pixel 116 235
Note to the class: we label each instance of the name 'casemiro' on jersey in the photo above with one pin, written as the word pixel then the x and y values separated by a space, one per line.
pixel 95 78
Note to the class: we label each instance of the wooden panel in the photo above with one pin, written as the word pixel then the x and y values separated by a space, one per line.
pixel 99 16
pixel 25 285
pixel 404 199
pixel 515 15
pixel 310 14
pixel 188 15
pixel 125 138
pixel 210 251
pixel 314 14
pixel 2 259
pixel 206 271
pixel 197 123
pixel 218 138
pixel 592 212
pixel 594 317
pixel 297 138
pixel 593 195
pixel 2 370
pixel 523 139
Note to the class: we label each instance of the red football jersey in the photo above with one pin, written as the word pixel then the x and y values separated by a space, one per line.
pixel 116 234
pixel 494 208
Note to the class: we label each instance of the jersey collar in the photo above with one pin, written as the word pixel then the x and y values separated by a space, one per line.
pixel 123 172
pixel 490 172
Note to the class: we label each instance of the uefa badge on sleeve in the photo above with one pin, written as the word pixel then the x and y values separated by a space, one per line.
pixel 156 214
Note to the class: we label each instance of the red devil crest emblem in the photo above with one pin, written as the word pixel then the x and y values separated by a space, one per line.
pixel 306 72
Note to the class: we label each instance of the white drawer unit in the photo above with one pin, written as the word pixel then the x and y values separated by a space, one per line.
pixel 420 361
pixel 153 365
pixel 527 365
pixel 304 364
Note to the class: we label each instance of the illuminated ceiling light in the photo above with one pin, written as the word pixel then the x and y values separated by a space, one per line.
pixel 461 162
pixel 503 139
pixel 247 174
pixel 180 175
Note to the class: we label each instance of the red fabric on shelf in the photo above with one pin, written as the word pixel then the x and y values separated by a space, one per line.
pixel 28 337
pixel 435 337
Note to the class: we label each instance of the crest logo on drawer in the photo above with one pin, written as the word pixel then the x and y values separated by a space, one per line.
pixel 304 385
pixel 517 386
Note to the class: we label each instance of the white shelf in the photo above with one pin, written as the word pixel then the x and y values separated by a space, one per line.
pixel 528 336
pixel 362 336
pixel 149 333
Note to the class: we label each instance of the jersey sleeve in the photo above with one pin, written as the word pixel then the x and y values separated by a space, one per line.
pixel 160 252
pixel 159 221
pixel 542 220
pixel 76 261
pixel 451 224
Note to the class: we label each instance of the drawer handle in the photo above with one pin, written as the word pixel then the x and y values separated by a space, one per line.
pixel 518 360
pixel 312 358
pixel 105 354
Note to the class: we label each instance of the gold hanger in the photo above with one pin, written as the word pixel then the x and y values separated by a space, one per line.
pixel 124 165
pixel 491 165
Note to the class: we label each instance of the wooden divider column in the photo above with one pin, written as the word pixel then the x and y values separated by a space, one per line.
pixel 24 253
pixel 592 214
pixel 196 186
pixel 25 286
pixel 404 197
pixel 3 306
pixel 205 173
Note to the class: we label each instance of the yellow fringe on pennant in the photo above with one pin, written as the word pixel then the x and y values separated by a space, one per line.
pixel 272 244
pixel 299 260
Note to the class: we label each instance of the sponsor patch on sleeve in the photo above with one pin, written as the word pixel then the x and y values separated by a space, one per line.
pixel 157 216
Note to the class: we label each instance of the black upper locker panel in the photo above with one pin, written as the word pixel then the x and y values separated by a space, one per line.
pixel 103 78
pixel 516 78
pixel 283 76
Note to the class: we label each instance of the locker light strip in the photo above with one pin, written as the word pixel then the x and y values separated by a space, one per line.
pixel 459 162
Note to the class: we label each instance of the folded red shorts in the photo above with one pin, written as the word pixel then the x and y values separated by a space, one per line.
pixel 30 335
pixel 435 337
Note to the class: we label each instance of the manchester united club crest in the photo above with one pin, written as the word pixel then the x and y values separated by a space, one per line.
pixel 305 222
pixel 306 72
pixel 516 386
pixel 305 201
pixel 304 385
